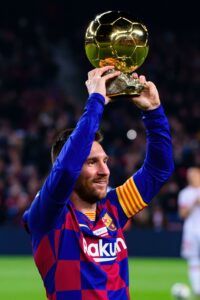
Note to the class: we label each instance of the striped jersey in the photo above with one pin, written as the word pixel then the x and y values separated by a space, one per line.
pixel 79 258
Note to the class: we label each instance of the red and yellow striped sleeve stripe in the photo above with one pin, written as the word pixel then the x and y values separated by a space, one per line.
pixel 130 198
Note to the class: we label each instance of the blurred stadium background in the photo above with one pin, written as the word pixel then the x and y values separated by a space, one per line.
pixel 43 68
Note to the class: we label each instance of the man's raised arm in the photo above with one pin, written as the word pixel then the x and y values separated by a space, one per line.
pixel 53 197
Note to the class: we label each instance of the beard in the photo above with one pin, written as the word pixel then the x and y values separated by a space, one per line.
pixel 89 193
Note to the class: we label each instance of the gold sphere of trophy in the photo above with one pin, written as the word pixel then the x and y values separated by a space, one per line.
pixel 115 38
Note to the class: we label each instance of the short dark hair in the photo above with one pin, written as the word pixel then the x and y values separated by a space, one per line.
pixel 61 139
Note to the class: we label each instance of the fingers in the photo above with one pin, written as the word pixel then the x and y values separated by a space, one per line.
pixel 98 72
pixel 111 75
pixel 141 78
pixel 135 75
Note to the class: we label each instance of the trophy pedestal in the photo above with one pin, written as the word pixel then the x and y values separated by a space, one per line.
pixel 124 84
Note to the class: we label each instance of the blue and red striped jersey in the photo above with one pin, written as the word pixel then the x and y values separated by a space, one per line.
pixel 83 259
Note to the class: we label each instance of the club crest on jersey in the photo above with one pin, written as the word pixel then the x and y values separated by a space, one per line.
pixel 108 221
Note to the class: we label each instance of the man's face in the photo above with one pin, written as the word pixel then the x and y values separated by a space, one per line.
pixel 92 183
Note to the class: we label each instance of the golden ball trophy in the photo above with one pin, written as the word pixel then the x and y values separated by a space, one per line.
pixel 115 38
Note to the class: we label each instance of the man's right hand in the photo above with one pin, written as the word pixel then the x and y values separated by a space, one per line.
pixel 96 82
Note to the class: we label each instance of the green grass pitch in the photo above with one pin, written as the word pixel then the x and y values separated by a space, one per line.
pixel 150 279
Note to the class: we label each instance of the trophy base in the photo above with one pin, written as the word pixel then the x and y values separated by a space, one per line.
pixel 122 85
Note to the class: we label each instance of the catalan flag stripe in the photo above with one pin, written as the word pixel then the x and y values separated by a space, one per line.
pixel 139 198
pixel 123 204
pixel 132 189
pixel 130 198
pixel 128 203
pixel 91 215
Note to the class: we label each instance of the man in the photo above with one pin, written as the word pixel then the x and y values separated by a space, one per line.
pixel 189 210
pixel 75 225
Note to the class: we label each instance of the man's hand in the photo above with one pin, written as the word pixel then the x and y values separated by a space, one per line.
pixel 149 97
pixel 96 82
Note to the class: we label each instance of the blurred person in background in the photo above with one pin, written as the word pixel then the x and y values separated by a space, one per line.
pixel 189 211
pixel 75 224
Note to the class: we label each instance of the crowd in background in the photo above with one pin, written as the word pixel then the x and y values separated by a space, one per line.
pixel 41 93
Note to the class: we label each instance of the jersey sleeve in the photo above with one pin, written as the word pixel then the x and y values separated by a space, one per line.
pixel 130 198
pixel 138 191
pixel 125 201
pixel 158 164
pixel 58 186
